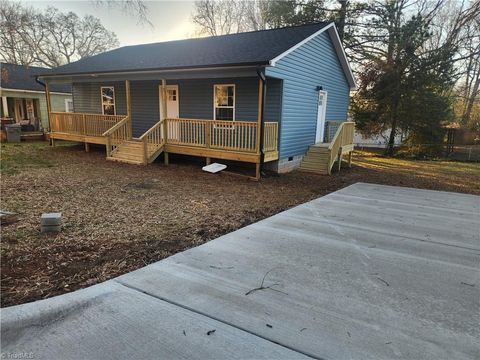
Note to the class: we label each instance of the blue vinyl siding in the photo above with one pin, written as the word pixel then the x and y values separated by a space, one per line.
pixel 195 96
pixel 273 101
pixel 313 64
pixel 87 98
pixel 145 105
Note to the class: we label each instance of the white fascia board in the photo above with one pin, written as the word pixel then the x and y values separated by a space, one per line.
pixel 337 44
pixel 34 91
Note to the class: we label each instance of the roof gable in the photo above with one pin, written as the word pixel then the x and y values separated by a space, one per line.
pixel 337 44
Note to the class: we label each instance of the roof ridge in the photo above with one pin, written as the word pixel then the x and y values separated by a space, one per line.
pixel 24 66
pixel 226 35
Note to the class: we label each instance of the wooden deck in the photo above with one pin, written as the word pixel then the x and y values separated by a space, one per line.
pixel 228 140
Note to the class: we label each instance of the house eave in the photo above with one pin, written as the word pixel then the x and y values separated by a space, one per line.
pixel 156 71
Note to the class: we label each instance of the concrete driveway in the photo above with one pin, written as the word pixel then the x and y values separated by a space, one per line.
pixel 367 272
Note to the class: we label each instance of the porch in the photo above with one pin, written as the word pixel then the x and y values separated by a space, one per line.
pixel 227 140
pixel 239 140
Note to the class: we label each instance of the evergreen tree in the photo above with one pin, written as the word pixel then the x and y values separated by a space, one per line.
pixel 404 86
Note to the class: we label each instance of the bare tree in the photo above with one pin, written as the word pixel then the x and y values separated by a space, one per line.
pixel 49 38
pixel 219 17
pixel 12 47
pixel 137 8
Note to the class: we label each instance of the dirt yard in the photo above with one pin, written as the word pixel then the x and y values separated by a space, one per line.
pixel 120 217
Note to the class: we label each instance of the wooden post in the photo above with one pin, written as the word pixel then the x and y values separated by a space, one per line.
pixel 339 159
pixel 108 145
pixel 87 147
pixel 128 99
pixel 208 161
pixel 163 115
pixel 84 122
pixel 259 130
pixel 257 171
pixel 350 155
pixel 5 106
pixel 259 115
pixel 208 135
pixel 145 149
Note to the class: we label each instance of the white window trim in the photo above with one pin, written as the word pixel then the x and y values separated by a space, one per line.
pixel 114 99
pixel 66 106
pixel 227 107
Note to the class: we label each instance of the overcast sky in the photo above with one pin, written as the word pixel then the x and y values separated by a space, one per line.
pixel 171 19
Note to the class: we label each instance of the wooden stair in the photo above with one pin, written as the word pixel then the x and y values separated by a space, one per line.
pixel 317 159
pixel 130 151
pixel 121 146
pixel 321 157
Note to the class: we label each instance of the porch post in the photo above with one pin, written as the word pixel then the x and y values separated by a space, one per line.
pixel 129 104
pixel 259 128
pixel 5 106
pixel 163 115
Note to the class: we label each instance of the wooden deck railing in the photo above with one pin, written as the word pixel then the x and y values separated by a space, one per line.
pixel 153 141
pixel 231 136
pixel 82 124
pixel 238 136
pixel 116 135
pixel 270 142
pixel 343 137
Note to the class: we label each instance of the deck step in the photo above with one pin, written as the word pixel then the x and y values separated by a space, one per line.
pixel 316 159
pixel 128 161
pixel 131 152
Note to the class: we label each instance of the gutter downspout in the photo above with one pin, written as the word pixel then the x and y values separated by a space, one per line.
pixel 262 77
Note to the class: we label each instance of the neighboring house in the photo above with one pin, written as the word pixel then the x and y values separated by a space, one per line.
pixel 23 99
pixel 377 141
pixel 260 97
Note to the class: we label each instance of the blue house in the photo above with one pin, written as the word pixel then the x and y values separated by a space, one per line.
pixel 277 98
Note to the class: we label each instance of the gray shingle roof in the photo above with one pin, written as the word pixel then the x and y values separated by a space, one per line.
pixel 249 48
pixel 22 77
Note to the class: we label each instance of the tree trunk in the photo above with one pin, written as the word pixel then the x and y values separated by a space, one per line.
pixel 341 19
pixel 471 99
pixel 390 150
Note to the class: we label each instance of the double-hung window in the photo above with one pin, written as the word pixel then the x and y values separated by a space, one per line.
pixel 68 105
pixel 224 102
pixel 108 100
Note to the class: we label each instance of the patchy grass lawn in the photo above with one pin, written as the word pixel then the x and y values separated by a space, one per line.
pixel 119 217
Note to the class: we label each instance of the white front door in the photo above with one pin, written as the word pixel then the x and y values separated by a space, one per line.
pixel 322 107
pixel 172 101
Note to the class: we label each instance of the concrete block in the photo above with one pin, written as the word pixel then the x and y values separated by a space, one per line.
pixel 51 219
pixel 51 228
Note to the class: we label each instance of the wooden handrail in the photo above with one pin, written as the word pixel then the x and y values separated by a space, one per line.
pixel 116 126
pixel 82 124
pixel 88 114
pixel 117 134
pixel 215 134
pixel 344 136
pixel 146 133
pixel 152 141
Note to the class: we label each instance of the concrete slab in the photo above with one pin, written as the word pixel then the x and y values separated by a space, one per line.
pixel 366 272
pixel 111 321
